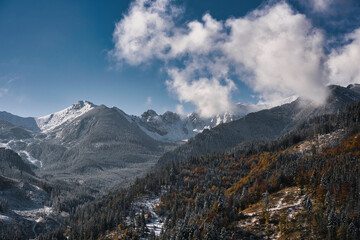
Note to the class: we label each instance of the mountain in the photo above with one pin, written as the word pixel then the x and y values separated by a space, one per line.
pixel 28 123
pixel 54 120
pixel 270 123
pixel 172 127
pixel 99 147
pixel 167 127
pixel 9 132
pixel 100 136
pixel 93 144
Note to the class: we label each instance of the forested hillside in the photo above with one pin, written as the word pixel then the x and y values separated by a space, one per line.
pixel 305 184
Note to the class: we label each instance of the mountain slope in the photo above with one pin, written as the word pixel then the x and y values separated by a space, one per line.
pixel 9 132
pixel 28 123
pixel 270 123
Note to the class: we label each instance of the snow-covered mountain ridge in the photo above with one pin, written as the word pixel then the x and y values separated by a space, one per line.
pixel 51 121
pixel 172 127
pixel 168 127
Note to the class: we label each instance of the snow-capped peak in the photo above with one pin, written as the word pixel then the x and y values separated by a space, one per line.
pixel 51 121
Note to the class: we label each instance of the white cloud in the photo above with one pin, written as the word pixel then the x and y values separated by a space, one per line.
pixel 209 95
pixel 344 62
pixel 330 8
pixel 180 109
pixel 318 6
pixel 274 50
pixel 280 52
pixel 148 101
pixel 3 91
pixel 9 78
pixel 142 34
pixel 321 5
pixel 196 38
pixel 148 31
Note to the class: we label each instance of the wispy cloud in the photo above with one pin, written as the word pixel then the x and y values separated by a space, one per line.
pixel 275 50
pixel 9 78
pixel 332 7
pixel 180 109
pixel 3 91
pixel 148 101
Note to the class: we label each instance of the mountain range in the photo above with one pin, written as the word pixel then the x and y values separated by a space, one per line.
pixel 97 145
pixel 100 145
pixel 167 127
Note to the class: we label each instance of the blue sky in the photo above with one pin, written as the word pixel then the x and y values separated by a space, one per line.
pixel 54 53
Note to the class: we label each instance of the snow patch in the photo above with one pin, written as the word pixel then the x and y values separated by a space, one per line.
pixel 156 223
pixel 5 218
pixel 36 213
pixel 29 158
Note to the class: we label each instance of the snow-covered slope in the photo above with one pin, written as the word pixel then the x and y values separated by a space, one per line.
pixel 50 122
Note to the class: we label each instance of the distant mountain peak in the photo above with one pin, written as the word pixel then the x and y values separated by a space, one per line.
pixel 82 103
pixel 149 114
pixel 51 121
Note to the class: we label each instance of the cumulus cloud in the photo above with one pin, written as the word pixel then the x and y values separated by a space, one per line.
pixel 281 51
pixel 344 61
pixel 209 95
pixel 148 31
pixel 275 50
pixel 143 33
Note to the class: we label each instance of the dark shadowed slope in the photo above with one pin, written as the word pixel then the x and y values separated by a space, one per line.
pixel 12 165
pixel 27 123
pixel 8 131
